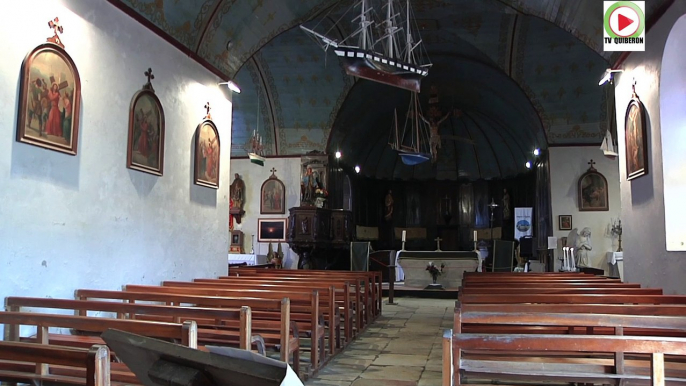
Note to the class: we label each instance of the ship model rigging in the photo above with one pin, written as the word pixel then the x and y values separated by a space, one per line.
pixel 395 58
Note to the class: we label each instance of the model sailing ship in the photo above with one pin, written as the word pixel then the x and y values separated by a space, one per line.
pixel 608 146
pixel 395 58
pixel 413 143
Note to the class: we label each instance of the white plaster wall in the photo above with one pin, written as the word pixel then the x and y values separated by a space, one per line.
pixel 288 171
pixel 646 259
pixel 567 164
pixel 87 221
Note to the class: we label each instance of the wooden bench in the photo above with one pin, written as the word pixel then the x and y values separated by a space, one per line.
pixel 590 289
pixel 278 310
pixel 332 294
pixel 371 279
pixel 510 367
pixel 521 323
pixel 307 303
pixel 32 363
pixel 574 299
pixel 217 317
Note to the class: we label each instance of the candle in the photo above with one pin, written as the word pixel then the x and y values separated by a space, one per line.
pixel 404 234
pixel 475 236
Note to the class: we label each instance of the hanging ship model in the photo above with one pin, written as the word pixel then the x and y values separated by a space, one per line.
pixel 395 58
pixel 412 144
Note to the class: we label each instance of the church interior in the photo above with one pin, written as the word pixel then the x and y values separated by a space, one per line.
pixel 268 174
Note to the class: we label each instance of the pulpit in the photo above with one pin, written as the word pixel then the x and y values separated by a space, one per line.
pixel 320 236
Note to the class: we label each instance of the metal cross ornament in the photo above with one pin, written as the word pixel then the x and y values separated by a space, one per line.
pixel 55 25
pixel 438 243
pixel 149 74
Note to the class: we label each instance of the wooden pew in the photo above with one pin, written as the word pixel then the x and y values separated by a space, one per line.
pixel 371 279
pixel 262 309
pixel 509 367
pixel 573 299
pixel 32 363
pixel 558 290
pixel 306 302
pixel 338 296
pixel 218 317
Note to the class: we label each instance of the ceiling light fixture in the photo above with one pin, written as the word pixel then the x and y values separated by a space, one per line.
pixel 537 152
pixel 357 169
pixel 528 165
pixel 607 76
pixel 232 86
pixel 338 154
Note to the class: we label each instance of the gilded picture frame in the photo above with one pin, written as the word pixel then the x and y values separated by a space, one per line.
pixel 145 146
pixel 636 141
pixel 207 155
pixel 49 100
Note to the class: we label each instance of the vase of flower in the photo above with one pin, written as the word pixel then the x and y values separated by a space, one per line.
pixel 320 197
pixel 434 271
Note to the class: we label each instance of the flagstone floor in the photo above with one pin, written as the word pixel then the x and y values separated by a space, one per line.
pixel 402 348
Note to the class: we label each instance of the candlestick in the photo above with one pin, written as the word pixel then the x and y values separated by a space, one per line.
pixel 475 236
pixel 404 234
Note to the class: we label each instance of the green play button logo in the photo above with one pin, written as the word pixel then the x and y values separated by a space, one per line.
pixel 624 26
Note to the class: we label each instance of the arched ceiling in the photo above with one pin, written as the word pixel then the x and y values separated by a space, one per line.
pixel 525 67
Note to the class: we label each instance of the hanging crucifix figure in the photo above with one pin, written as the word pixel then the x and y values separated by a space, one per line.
pixel 434 137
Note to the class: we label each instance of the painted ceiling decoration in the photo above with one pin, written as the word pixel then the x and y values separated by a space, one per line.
pixel 523 72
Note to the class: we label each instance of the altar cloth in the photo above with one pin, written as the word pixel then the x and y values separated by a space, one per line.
pixel 414 265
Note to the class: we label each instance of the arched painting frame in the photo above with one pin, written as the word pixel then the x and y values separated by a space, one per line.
pixel 49 100
pixel 273 195
pixel 145 148
pixel 635 139
pixel 207 149
pixel 593 191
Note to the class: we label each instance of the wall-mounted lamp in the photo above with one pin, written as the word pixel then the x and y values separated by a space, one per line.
pixel 537 152
pixel 232 86
pixel 528 164
pixel 338 154
pixel 607 76
pixel 357 169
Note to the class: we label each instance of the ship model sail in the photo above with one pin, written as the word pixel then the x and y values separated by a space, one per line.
pixel 413 143
pixel 395 58
pixel 608 146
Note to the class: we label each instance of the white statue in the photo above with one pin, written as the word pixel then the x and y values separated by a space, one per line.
pixel 583 245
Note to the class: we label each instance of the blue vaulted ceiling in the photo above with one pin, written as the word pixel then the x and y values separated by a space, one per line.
pixel 522 73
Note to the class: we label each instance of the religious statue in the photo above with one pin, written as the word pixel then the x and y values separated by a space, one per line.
pixel 506 205
pixel 309 184
pixel 583 245
pixel 237 191
pixel 389 206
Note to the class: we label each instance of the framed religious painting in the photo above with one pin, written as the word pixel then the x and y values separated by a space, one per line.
pixel 635 139
pixel 593 191
pixel 207 147
pixel 145 148
pixel 49 97
pixel 271 230
pixel 564 222
pixel 273 195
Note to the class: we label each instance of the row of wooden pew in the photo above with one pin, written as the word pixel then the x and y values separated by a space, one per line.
pixel 564 327
pixel 279 313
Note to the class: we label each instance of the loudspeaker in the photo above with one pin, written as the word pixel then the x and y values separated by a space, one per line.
pixel 527 246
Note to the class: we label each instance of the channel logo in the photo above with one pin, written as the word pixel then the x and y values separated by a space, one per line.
pixel 624 26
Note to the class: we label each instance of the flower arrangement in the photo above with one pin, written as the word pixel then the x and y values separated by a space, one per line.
pixel 434 271
pixel 321 193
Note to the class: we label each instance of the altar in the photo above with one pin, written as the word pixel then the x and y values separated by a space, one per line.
pixel 414 265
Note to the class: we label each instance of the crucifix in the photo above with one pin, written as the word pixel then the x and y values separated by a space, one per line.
pixel 438 243
pixel 56 27
pixel 149 74
pixel 591 162
pixel 207 107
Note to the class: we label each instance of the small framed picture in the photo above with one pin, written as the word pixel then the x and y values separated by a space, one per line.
pixel 564 222
pixel 271 229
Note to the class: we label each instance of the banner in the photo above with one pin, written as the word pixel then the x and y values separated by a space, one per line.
pixel 523 222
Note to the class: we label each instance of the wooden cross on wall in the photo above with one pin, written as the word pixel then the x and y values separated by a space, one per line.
pixel 55 25
pixel 438 243
pixel 207 107
pixel 149 74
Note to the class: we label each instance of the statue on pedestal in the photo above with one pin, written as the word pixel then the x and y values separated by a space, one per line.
pixel 237 198
pixel 388 202
pixel 583 245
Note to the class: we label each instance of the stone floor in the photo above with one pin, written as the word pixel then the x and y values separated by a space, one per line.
pixel 402 348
